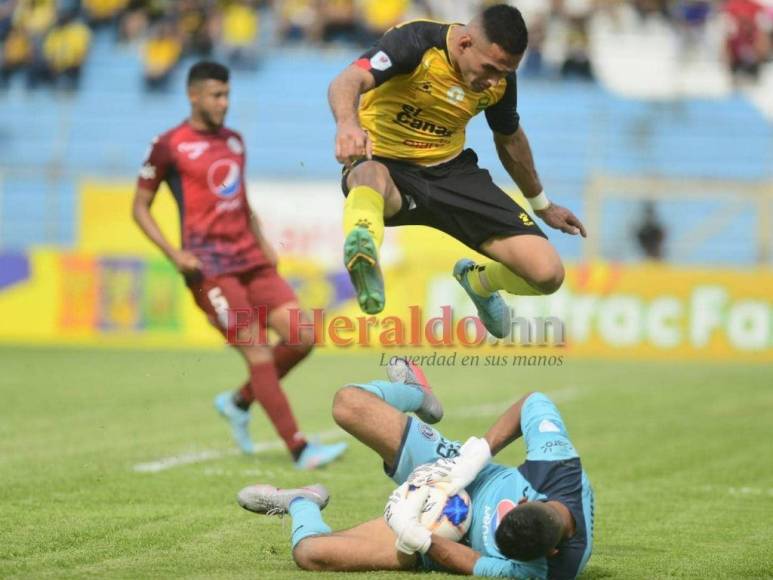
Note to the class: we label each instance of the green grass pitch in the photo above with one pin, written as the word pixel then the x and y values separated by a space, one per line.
pixel 679 455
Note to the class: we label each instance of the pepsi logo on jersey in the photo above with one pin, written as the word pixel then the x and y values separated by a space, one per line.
pixel 224 178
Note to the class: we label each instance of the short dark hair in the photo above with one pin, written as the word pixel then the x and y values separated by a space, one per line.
pixel 528 532
pixel 205 70
pixel 504 25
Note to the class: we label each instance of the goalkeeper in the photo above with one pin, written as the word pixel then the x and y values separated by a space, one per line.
pixel 534 521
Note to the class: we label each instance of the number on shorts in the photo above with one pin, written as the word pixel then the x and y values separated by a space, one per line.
pixel 220 304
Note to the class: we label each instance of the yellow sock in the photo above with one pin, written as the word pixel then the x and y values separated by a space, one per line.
pixel 499 277
pixel 364 206
pixel 473 278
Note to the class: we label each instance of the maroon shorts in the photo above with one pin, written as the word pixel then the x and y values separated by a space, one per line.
pixel 232 300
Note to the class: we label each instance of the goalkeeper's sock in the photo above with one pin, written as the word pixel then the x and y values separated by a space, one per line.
pixel 364 207
pixel 493 276
pixel 307 520
pixel 401 396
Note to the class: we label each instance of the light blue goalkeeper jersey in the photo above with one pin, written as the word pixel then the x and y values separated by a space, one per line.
pixel 552 471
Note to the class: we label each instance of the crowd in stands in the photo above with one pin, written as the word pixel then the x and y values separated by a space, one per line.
pixel 48 41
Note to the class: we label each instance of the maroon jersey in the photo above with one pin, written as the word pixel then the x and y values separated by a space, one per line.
pixel 205 172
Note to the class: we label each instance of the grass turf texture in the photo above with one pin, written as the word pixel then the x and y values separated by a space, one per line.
pixel 676 452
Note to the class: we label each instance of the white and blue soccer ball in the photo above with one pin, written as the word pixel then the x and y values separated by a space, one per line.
pixel 447 516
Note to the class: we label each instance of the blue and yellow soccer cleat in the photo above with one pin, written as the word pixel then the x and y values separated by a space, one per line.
pixel 238 419
pixel 492 311
pixel 316 455
pixel 267 499
pixel 361 261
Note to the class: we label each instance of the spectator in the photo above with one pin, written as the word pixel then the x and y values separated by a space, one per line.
pixel 240 26
pixel 337 22
pixel 296 20
pixel 65 48
pixel 6 17
pixel 577 61
pixel 380 15
pixel 103 12
pixel 161 55
pixel 35 17
pixel 17 54
pixel 748 42
pixel 650 233
pixel 195 23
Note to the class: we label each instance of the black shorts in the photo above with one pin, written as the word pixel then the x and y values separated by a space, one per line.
pixel 456 197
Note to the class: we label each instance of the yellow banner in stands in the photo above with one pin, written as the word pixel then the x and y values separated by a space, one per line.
pixel 116 289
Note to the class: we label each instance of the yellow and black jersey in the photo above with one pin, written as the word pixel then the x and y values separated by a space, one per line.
pixel 420 107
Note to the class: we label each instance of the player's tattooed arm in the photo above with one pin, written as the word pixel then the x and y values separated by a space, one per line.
pixel 185 262
pixel 452 556
pixel 351 142
pixel 515 154
pixel 507 428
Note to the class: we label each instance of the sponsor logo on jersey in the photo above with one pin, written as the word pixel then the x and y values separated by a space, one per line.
pixel 224 178
pixel 148 171
pixel 483 102
pixel 428 432
pixel 425 87
pixel 424 144
pixel 548 426
pixel 380 61
pixel 503 508
pixel 409 116
pixel 455 94
pixel 193 149
pixel 235 145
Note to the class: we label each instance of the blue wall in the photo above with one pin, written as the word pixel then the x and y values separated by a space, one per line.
pixel 577 130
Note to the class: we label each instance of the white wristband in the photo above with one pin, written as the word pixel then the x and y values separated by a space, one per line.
pixel 539 202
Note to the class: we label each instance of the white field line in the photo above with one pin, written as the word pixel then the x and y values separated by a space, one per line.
pixel 193 457
pixel 738 491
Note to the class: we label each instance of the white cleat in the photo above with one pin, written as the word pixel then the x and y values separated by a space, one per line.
pixel 401 370
pixel 266 499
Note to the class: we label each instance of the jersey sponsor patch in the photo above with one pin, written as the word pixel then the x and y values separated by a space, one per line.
pixel 380 61
pixel 428 432
pixel 193 149
pixel 235 145
pixel 224 178
pixel 455 94
pixel 148 171
pixel 491 522
pixel 548 426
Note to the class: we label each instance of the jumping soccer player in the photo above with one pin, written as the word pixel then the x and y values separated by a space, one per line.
pixel 226 261
pixel 401 111
pixel 533 521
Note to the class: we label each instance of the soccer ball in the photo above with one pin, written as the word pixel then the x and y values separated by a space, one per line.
pixel 448 517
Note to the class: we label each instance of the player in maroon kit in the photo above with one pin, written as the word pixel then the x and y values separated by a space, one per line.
pixel 227 263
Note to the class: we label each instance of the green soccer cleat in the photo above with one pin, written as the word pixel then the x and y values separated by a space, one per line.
pixel 361 261
pixel 492 311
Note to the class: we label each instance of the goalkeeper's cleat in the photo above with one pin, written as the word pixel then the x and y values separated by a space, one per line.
pixel 316 455
pixel 238 419
pixel 361 261
pixel 267 499
pixel 402 370
pixel 492 311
